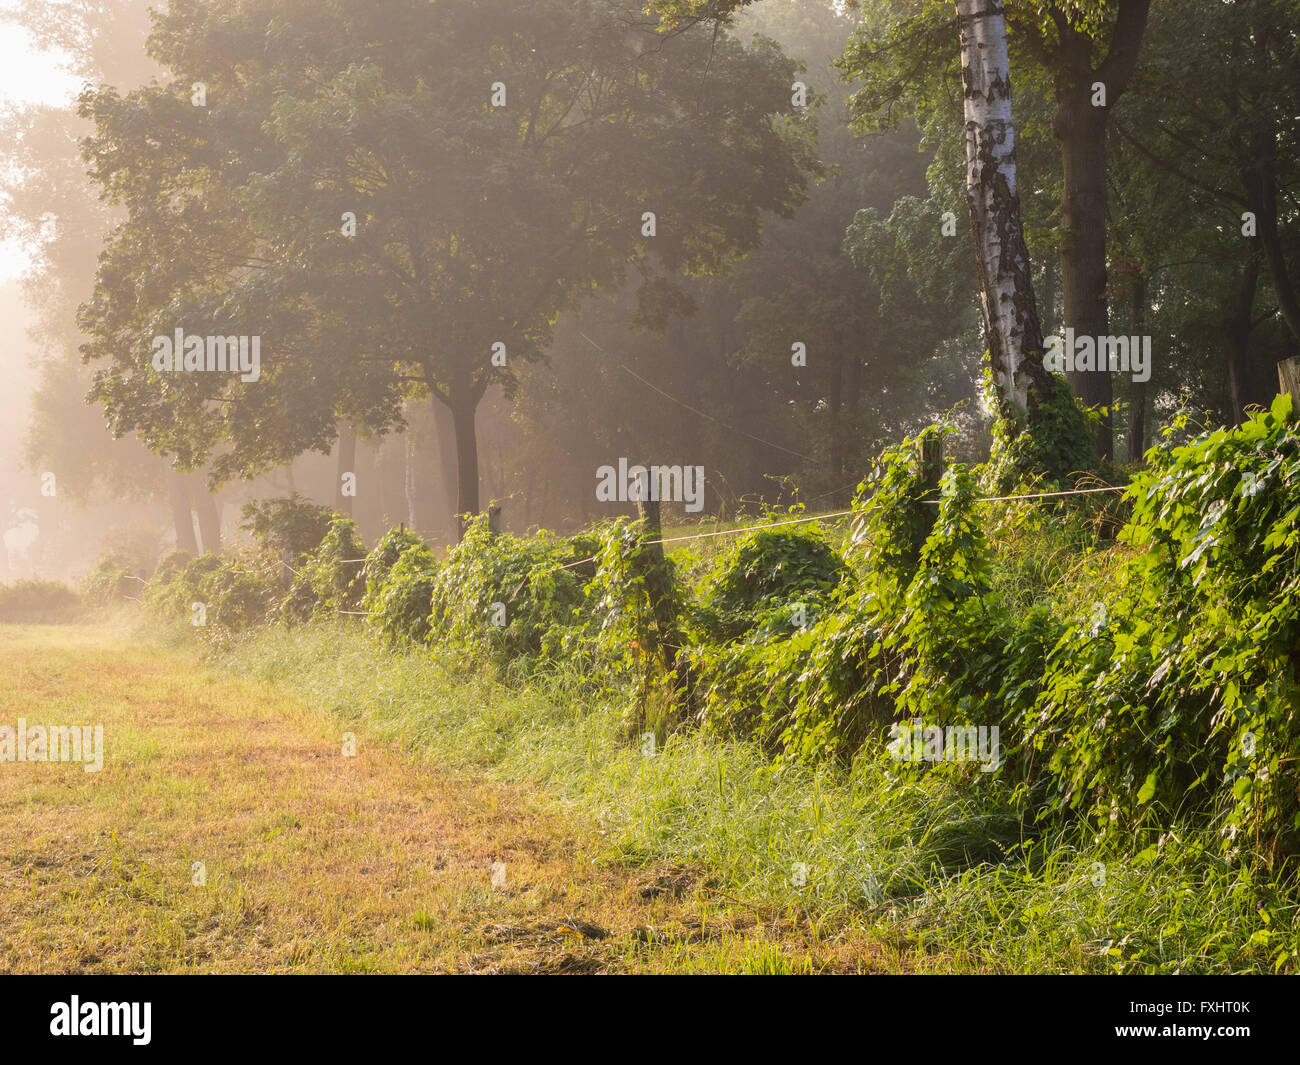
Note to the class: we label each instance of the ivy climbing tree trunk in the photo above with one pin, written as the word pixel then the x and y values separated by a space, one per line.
pixel 1011 323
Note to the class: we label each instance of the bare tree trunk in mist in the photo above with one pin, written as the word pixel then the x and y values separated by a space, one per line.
pixel 347 464
pixel 836 472
pixel 205 508
pixel 446 432
pixel 408 439
pixel 462 417
pixel 178 490
pixel 1006 292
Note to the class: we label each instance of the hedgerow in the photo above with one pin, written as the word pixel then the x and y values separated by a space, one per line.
pixel 28 601
pixel 506 600
pixel 400 575
pixel 1132 682
pixel 1180 690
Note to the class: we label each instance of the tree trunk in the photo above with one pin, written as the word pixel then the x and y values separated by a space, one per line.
pixel 1238 327
pixel 205 508
pixel 1006 291
pixel 1080 127
pixel 445 429
pixel 462 419
pixel 178 490
pixel 1048 306
pixel 408 478
pixel 836 431
pixel 1137 426
pixel 1261 181
pixel 1288 378
pixel 347 464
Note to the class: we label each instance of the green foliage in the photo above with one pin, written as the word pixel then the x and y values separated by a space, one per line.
pixel 774 649
pixel 638 598
pixel 536 206
pixel 1182 688
pixel 1180 691
pixel 110 582
pixel 237 591
pixel 765 577
pixel 1150 680
pixel 170 565
pixel 289 524
pixel 27 601
pixel 504 599
pixel 955 874
pixel 1050 450
pixel 809 696
pixel 331 579
pixel 399 593
pixel 820 692
pixel 895 512
pixel 391 546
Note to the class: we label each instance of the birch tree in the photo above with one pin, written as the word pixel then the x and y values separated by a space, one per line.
pixel 1011 323
pixel 1040 430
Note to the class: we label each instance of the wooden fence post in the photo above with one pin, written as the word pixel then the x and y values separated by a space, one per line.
pixel 672 645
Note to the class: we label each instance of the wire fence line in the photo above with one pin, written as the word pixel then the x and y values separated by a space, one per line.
pixel 746 529
pixel 843 513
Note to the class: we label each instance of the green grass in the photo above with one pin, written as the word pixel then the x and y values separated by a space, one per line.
pixel 941 868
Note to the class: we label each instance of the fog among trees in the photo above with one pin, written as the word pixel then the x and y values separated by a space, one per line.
pixel 491 248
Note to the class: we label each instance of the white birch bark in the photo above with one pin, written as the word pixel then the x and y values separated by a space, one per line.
pixel 1011 322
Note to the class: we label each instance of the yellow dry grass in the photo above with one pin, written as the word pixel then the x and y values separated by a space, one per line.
pixel 314 861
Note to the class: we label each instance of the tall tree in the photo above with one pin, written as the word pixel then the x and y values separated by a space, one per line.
pixel 499 160
pixel 1011 323
pixel 1237 147
pixel 1086 50
pixel 1091 49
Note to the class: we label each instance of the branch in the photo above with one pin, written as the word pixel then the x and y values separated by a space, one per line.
pixel 1116 70
pixel 1223 195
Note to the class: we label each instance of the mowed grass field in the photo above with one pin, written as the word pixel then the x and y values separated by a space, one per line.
pixel 313 861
